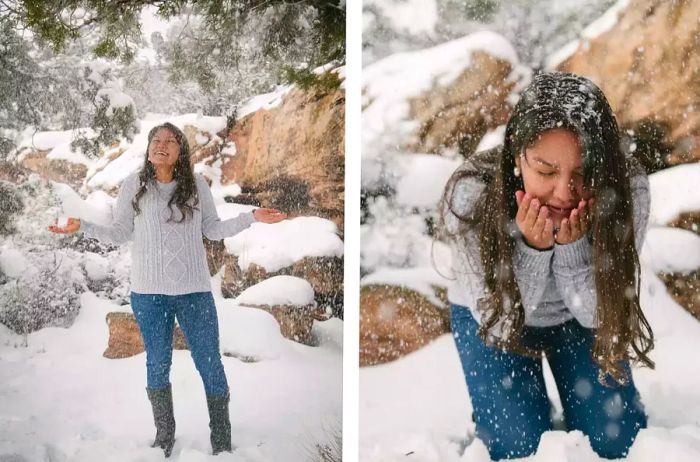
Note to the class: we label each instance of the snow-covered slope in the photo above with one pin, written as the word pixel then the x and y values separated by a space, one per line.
pixel 60 400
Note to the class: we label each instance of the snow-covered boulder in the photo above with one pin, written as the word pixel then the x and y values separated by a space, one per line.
pixel 401 310
pixel 56 169
pixel 290 300
pixel 438 99
pixel 305 247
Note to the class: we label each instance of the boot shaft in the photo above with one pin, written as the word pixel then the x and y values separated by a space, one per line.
pixel 163 418
pixel 219 423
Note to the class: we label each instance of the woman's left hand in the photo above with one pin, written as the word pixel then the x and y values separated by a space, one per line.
pixel 576 226
pixel 269 215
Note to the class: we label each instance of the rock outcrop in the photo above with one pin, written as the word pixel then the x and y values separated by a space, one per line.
pixel 458 115
pixel 292 157
pixel 58 170
pixel 647 65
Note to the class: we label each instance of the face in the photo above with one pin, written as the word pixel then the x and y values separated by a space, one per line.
pixel 163 150
pixel 552 171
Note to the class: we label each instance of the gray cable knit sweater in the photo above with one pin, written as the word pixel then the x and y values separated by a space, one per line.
pixel 167 257
pixel 555 285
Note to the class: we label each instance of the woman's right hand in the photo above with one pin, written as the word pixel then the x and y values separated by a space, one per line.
pixel 72 225
pixel 533 221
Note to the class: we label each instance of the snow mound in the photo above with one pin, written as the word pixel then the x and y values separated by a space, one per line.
pixel 671 250
pixel 276 246
pixel 96 208
pixel 12 262
pixel 267 101
pixel 278 290
pixel 674 191
pixel 418 188
pixel 250 334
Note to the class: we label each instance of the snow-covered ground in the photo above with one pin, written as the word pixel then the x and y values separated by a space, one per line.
pixel 61 400
pixel 418 408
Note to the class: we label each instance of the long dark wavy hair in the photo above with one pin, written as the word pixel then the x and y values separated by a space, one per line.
pixel 185 195
pixel 560 100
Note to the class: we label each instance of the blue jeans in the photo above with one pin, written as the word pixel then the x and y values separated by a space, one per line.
pixel 511 407
pixel 196 314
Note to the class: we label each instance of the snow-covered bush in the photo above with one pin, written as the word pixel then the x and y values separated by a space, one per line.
pixel 43 274
pixel 41 207
pixel 115 113
pixel 10 205
pixel 42 287
pixel 107 274
pixel 393 236
pixel 536 28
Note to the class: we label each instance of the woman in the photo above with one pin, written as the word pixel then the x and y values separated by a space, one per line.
pixel 166 209
pixel 545 233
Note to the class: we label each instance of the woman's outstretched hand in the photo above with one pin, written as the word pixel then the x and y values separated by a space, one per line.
pixel 577 225
pixel 533 221
pixel 269 215
pixel 72 225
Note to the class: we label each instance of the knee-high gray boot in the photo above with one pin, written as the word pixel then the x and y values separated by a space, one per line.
pixel 219 423
pixel 163 417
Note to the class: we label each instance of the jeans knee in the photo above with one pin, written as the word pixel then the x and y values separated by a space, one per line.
pixel 613 439
pixel 507 441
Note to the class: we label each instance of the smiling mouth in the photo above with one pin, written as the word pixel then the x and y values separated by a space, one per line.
pixel 161 153
pixel 559 211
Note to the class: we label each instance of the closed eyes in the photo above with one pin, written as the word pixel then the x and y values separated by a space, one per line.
pixel 170 141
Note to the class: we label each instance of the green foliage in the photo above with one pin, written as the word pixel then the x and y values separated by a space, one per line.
pixel 481 10
pixel 57 23
pixel 306 79
pixel 50 298
pixel 109 122
pixel 106 48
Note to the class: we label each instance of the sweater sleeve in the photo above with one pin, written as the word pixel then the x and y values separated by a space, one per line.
pixel 122 227
pixel 573 267
pixel 212 226
pixel 531 267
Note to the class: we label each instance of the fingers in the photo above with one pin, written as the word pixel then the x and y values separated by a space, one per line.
pixel 519 197
pixel 523 207
pixel 584 216
pixel 270 216
pixel 538 227
pixel 548 233
pixel 575 224
pixel 532 214
pixel 564 233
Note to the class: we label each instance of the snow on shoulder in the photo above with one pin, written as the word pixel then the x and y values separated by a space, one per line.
pixel 278 290
pixel 275 246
